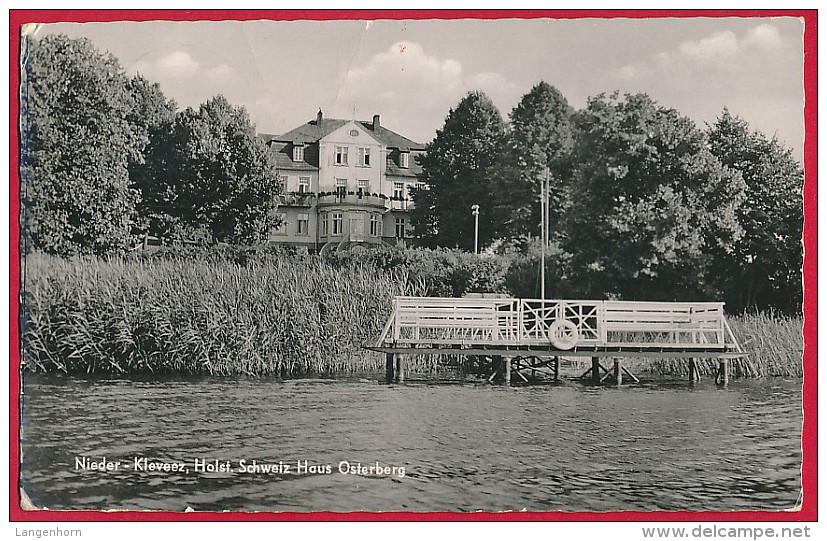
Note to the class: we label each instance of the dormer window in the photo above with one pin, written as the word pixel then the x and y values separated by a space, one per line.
pixel 298 153
pixel 403 159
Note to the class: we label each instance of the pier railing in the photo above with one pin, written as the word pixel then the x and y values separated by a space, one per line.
pixel 561 324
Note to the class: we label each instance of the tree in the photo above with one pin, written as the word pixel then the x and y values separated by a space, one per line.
pixel 651 206
pixel 540 136
pixel 456 169
pixel 212 171
pixel 765 267
pixel 79 135
pixel 149 175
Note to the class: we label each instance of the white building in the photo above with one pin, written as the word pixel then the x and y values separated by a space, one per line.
pixel 345 183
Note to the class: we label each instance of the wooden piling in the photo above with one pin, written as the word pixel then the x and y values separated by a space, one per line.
pixel 596 370
pixel 694 375
pixel 618 373
pixel 389 362
pixel 496 368
pixel 723 372
pixel 507 366
pixel 400 368
pixel 556 368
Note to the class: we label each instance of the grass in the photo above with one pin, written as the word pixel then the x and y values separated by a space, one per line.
pixel 280 315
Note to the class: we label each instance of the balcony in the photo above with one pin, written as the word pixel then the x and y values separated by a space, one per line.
pixel 353 198
pixel 296 199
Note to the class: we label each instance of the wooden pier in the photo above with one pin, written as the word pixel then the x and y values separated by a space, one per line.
pixel 530 335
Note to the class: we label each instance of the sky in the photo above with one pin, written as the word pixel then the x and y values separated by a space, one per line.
pixel 412 72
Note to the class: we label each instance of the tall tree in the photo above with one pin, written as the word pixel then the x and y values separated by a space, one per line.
pixel 213 171
pixel 540 138
pixel 456 168
pixel 765 267
pixel 651 205
pixel 79 135
pixel 149 175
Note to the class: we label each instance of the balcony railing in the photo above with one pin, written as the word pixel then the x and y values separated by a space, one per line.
pixel 357 198
pixel 297 199
pixel 308 199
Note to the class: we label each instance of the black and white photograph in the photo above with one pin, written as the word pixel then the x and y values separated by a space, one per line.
pixel 462 264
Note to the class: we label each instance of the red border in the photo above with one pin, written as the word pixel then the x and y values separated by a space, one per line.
pixel 808 511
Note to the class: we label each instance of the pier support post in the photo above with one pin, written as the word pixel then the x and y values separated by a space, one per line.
pixel 596 370
pixel 556 368
pixel 723 372
pixel 507 366
pixel 400 368
pixel 694 375
pixel 497 367
pixel 389 362
pixel 618 372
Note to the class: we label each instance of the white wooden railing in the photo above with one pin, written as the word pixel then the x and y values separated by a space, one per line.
pixel 566 324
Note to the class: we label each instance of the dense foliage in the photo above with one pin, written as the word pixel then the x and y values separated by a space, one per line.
pixel 209 170
pixel 82 129
pixel 457 169
pixel 106 159
pixel 539 142
pixel 764 268
pixel 652 207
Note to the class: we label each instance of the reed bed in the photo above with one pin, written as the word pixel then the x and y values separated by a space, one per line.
pixel 774 342
pixel 278 316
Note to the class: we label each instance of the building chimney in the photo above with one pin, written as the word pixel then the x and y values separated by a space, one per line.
pixel 319 118
pixel 375 122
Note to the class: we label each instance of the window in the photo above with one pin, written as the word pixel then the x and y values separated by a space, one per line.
pixel 375 225
pixel 302 223
pixel 281 220
pixel 337 223
pixel 400 228
pixel 298 153
pixel 323 219
pixel 341 155
pixel 403 159
pixel 341 187
pixel 304 184
pixel 364 157
pixel 363 186
pixel 398 190
pixel 283 182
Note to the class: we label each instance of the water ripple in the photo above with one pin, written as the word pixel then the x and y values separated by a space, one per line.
pixel 464 447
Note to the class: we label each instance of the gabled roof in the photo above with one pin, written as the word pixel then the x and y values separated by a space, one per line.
pixel 390 138
pixel 314 130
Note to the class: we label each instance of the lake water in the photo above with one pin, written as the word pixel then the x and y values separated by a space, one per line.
pixel 663 445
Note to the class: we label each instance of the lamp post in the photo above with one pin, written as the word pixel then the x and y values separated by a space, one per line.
pixel 475 210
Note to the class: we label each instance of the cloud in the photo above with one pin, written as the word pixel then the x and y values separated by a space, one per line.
pixel 760 50
pixel 175 65
pixel 756 74
pixel 764 36
pixel 413 89
pixel 189 80
pixel 222 72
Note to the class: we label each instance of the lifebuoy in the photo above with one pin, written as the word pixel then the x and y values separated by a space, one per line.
pixel 563 334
